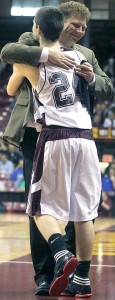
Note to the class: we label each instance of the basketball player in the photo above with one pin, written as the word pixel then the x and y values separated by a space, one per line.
pixel 68 183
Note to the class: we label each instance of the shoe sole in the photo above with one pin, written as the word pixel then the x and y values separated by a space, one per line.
pixel 67 295
pixel 76 296
pixel 83 296
pixel 61 282
pixel 42 293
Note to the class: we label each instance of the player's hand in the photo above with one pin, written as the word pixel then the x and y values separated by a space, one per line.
pixel 59 58
pixel 85 70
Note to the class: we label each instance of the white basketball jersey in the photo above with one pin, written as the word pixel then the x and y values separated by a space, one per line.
pixel 56 102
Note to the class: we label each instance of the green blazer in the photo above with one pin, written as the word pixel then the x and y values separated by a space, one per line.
pixel 23 109
pixel 21 114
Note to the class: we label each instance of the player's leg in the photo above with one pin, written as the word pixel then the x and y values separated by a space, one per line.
pixel 65 262
pixel 69 237
pixel 40 251
pixel 86 186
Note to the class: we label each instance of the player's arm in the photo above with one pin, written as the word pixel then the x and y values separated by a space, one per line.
pixel 14 82
pixel 20 71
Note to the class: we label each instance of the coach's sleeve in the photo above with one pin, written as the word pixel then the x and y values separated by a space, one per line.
pixel 18 53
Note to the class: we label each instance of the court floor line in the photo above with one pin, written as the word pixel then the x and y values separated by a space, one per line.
pixel 29 262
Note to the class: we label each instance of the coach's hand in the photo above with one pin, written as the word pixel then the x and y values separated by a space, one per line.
pixel 85 70
pixel 59 58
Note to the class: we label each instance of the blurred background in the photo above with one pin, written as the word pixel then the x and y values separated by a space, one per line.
pixel 16 17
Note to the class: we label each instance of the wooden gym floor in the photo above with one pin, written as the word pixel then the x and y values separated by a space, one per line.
pixel 16 270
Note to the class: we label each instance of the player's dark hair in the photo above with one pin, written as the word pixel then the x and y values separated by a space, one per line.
pixel 50 21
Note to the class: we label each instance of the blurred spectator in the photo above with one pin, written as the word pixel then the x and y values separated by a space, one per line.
pixel 107 70
pixel 104 110
pixel 97 107
pixel 6 166
pixel 100 112
pixel 111 164
pixel 97 120
pixel 18 170
pixel 111 63
pixel 110 120
pixel 106 207
pixel 109 67
pixel 107 184
pixel 108 179
pixel 112 175
pixel 19 183
pixel 14 154
pixel 2 185
pixel 17 177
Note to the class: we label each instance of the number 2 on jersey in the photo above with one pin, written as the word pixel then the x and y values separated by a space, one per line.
pixel 60 92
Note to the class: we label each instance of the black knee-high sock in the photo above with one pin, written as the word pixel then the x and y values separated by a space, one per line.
pixel 80 277
pixel 57 245
pixel 83 268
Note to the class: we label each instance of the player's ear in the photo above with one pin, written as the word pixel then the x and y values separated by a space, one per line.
pixel 39 30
